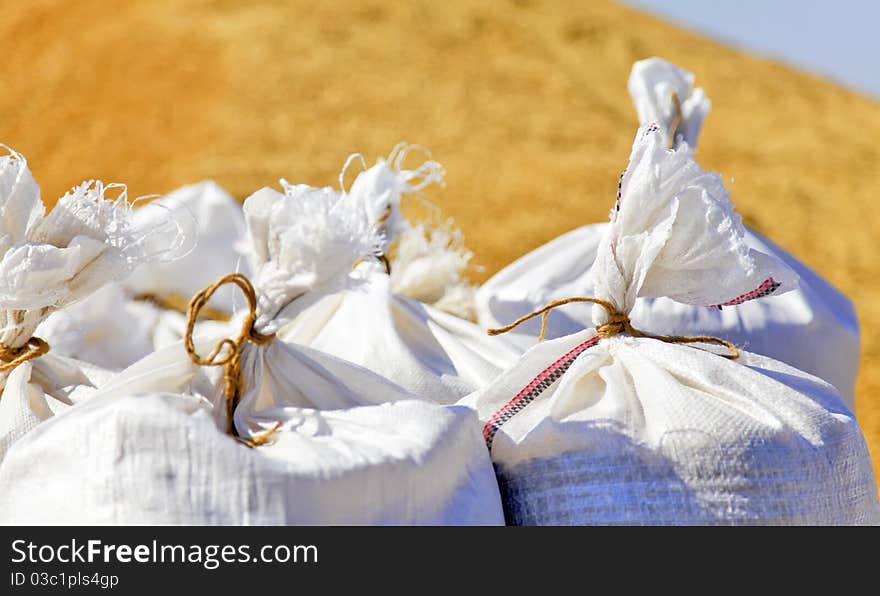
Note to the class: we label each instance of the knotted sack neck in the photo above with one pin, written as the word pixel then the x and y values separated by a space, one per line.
pixel 227 352
pixel 383 258
pixel 677 118
pixel 618 322
pixel 380 222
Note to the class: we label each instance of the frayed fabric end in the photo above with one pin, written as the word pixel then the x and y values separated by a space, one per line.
pixel 429 263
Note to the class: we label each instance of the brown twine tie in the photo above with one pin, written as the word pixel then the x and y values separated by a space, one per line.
pixel 617 323
pixel 12 357
pixel 227 352
pixel 178 303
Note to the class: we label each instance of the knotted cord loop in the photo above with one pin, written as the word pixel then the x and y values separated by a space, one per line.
pixel 618 322
pixel 227 352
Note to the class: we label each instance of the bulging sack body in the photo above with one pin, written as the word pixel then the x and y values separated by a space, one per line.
pixel 636 431
pixel 813 328
pixel 613 425
pixel 125 321
pixel 429 352
pixel 332 442
pixel 160 459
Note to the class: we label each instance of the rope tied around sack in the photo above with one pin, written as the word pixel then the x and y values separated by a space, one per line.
pixel 618 322
pixel 227 352
pixel 12 357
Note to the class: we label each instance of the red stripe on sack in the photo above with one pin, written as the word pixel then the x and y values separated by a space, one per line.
pixel 528 392
pixel 767 287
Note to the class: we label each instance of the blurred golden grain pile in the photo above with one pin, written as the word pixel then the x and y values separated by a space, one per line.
pixel 524 101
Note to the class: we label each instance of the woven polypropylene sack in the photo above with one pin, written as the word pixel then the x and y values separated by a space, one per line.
pixel 335 442
pixel 160 459
pixel 611 426
pixel 813 328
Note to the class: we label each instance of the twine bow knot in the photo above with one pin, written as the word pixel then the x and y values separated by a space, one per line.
pixel 617 323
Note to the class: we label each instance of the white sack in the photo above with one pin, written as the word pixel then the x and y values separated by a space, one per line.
pixel 813 328
pixel 428 259
pixel 219 232
pixel 404 462
pixel 37 390
pixel 633 430
pixel 50 262
pixel 428 352
pixel 160 459
pixel 300 247
pixel 107 328
pixel 380 188
pixel 123 323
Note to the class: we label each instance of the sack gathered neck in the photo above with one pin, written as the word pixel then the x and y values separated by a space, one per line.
pixel 381 257
pixel 674 233
pixel 380 223
pixel 618 323
pixel 227 352
pixel 303 243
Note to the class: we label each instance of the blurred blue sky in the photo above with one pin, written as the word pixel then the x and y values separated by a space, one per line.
pixel 837 39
